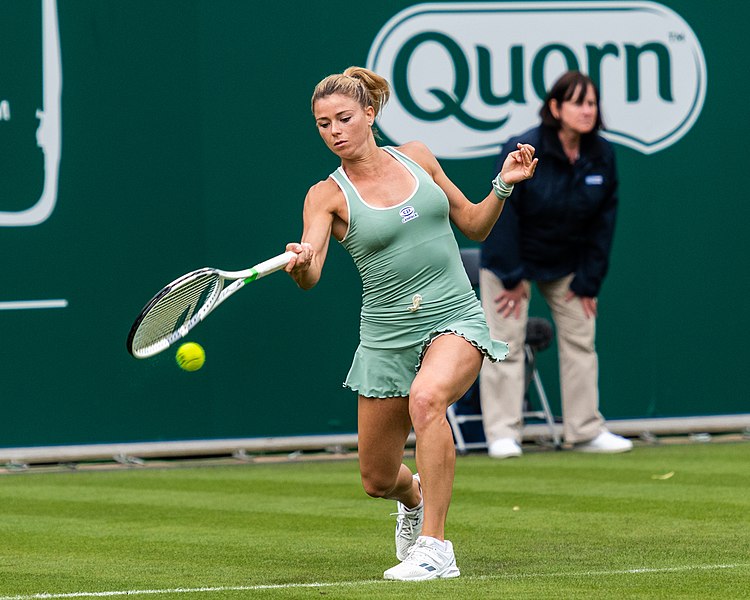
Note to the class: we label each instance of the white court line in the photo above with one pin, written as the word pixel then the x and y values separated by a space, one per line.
pixel 33 304
pixel 280 586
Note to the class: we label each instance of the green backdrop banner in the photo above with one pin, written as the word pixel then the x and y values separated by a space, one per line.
pixel 144 139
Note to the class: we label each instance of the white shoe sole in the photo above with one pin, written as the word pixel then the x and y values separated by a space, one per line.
pixel 449 573
pixel 602 450
pixel 502 455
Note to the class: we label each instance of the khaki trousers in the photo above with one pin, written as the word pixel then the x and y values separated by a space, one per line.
pixel 502 385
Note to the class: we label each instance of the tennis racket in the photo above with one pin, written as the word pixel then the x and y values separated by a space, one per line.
pixel 189 299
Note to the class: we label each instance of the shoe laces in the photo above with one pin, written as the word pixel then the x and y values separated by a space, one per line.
pixel 406 522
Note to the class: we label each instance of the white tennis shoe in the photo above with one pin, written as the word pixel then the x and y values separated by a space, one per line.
pixel 408 525
pixel 504 448
pixel 428 559
pixel 605 443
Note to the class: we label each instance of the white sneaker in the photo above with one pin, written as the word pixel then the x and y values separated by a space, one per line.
pixel 426 560
pixel 504 448
pixel 605 443
pixel 408 525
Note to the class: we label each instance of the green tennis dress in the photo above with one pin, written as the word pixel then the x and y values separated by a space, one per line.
pixel 414 285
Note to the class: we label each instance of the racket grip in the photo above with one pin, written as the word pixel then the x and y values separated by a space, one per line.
pixel 273 264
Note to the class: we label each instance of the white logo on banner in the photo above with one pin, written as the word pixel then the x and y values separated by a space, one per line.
pixel 49 132
pixel 468 76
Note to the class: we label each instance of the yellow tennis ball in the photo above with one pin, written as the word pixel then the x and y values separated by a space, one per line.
pixel 190 356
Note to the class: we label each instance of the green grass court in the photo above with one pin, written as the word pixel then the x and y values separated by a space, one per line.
pixel 550 525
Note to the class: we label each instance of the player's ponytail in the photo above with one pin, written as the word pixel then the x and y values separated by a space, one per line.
pixel 377 87
pixel 366 87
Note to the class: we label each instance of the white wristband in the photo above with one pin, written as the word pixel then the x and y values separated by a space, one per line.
pixel 502 189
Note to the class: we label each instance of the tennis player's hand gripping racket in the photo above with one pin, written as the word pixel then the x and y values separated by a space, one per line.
pixel 182 304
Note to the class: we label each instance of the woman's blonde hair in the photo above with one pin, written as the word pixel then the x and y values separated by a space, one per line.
pixel 362 85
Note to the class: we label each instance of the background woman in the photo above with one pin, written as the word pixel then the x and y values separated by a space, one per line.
pixel 557 232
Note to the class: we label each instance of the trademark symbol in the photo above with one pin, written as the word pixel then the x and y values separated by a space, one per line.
pixel 676 37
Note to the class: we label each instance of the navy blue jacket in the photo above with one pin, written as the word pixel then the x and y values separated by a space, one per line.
pixel 560 221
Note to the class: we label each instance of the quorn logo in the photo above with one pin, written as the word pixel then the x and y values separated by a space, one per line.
pixel 468 76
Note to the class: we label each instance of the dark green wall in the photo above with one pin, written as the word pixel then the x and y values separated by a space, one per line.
pixel 187 141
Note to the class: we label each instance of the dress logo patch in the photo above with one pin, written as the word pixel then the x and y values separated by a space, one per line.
pixel 594 179
pixel 408 213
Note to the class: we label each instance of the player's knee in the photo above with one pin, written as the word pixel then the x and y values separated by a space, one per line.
pixel 425 406
pixel 378 485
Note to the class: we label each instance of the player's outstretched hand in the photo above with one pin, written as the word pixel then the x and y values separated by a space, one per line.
pixel 304 257
pixel 519 164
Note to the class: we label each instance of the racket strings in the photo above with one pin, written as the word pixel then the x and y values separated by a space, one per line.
pixel 174 310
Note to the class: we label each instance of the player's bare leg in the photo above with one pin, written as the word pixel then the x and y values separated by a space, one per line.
pixel 383 428
pixel 450 366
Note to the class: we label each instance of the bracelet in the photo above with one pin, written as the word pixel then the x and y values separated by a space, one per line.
pixel 502 189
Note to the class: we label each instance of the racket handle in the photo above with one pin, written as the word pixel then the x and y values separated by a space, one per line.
pixel 273 264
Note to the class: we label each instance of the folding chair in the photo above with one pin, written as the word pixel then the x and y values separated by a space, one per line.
pixel 538 337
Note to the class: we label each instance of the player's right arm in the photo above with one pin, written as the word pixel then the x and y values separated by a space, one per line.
pixel 320 213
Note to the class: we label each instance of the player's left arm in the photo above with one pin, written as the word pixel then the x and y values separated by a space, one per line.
pixel 475 221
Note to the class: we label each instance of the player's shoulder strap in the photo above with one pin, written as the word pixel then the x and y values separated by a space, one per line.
pixel 410 163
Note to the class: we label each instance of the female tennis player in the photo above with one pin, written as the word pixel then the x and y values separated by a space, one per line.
pixel 423 334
